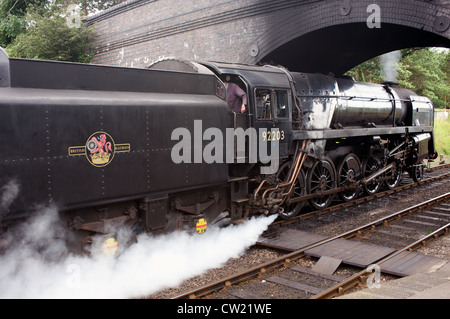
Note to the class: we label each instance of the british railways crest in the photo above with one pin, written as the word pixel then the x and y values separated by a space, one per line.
pixel 99 149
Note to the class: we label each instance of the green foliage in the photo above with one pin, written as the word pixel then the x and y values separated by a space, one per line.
pixel 10 27
pixel 441 133
pixel 40 29
pixel 425 71
pixel 369 71
pixel 18 7
pixel 50 37
pixel 427 76
pixel 12 21
pixel 89 6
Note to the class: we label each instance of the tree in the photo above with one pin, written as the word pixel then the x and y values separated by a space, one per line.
pixel 90 6
pixel 12 20
pixel 427 76
pixel 446 70
pixel 44 29
pixel 423 70
pixel 49 36
pixel 369 71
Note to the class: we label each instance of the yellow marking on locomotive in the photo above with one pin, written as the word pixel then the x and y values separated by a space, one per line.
pixel 110 246
pixel 201 226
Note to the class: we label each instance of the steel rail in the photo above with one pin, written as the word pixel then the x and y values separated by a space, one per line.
pixel 288 258
pixel 358 278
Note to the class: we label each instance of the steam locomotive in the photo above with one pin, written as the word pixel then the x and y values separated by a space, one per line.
pixel 112 146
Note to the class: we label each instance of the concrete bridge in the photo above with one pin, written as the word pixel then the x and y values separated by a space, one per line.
pixel 303 35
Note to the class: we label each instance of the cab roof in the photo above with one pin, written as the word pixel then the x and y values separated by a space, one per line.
pixel 255 76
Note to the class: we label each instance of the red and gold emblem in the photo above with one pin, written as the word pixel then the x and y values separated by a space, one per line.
pixel 99 149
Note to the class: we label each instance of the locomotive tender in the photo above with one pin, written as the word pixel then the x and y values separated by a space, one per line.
pixel 98 143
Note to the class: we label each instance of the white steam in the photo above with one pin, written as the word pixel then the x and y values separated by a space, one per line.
pixel 389 63
pixel 151 264
pixel 9 192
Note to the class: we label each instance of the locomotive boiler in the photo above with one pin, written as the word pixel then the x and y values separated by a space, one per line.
pixel 113 146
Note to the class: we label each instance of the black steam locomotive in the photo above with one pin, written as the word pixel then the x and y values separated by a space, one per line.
pixel 157 148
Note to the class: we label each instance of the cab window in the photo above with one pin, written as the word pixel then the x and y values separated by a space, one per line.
pixel 263 98
pixel 281 104
pixel 271 104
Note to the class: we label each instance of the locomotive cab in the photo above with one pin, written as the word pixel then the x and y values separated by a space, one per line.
pixel 270 103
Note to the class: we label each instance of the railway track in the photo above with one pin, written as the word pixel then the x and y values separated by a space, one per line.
pixel 292 278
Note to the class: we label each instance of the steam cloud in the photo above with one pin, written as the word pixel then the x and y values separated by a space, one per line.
pixel 9 192
pixel 151 264
pixel 389 63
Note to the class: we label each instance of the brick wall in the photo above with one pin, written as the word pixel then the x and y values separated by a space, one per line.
pixel 213 30
pixel 139 32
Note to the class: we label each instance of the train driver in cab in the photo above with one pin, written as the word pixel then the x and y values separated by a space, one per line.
pixel 236 97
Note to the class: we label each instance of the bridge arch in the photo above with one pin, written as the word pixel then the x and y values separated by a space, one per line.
pixel 334 36
pixel 303 35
